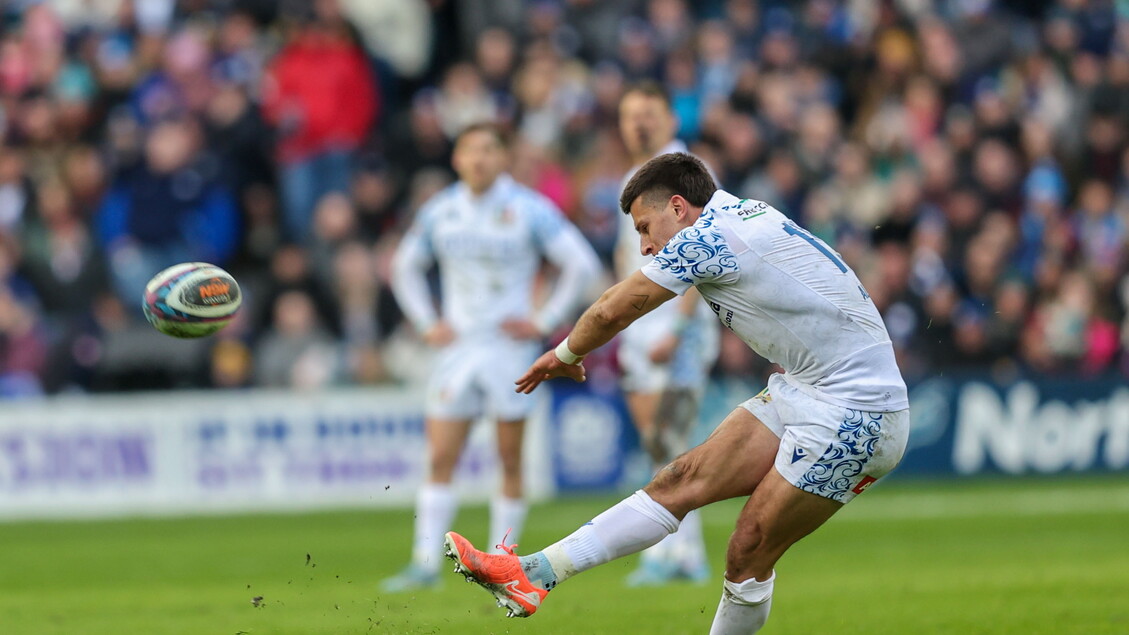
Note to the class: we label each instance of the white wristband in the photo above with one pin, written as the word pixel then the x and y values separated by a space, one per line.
pixel 565 354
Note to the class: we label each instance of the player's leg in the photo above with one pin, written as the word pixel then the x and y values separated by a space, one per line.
pixel 642 383
pixel 452 404
pixel 827 456
pixel 642 407
pixel 675 420
pixel 730 463
pixel 656 564
pixel 508 509
pixel 776 516
pixel 436 504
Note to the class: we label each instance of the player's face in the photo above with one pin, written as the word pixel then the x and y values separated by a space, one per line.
pixel 658 224
pixel 646 124
pixel 478 159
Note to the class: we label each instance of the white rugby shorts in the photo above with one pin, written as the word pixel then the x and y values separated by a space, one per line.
pixel 825 449
pixel 475 378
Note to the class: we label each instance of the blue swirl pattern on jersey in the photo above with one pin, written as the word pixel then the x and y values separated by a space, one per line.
pixel 698 253
pixel 831 476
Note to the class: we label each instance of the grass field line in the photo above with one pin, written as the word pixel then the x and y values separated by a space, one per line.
pixel 977 504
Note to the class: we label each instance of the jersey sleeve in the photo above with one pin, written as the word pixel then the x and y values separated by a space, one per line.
pixel 696 255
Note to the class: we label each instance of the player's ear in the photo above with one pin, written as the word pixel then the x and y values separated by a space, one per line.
pixel 678 205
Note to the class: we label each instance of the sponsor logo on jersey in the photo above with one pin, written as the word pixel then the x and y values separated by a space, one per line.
pixel 727 318
pixel 760 209
pixel 866 482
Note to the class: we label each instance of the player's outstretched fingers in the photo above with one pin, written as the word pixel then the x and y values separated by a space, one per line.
pixel 530 380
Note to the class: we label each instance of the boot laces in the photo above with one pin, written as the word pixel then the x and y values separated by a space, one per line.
pixel 510 549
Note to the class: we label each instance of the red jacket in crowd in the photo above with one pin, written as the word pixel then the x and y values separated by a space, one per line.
pixel 321 95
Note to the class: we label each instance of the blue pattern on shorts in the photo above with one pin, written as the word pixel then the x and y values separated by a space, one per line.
pixel 832 476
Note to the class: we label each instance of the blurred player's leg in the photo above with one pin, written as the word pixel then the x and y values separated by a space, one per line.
pixel 436 505
pixel 655 564
pixel 674 414
pixel 508 509
pixel 675 420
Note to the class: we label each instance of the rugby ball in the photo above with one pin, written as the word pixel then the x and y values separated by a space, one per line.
pixel 192 299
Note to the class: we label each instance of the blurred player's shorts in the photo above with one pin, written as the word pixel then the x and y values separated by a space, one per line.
pixel 475 377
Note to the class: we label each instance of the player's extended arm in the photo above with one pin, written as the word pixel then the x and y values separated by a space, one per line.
pixel 616 309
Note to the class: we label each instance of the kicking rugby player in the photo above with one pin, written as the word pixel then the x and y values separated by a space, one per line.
pixel 822 432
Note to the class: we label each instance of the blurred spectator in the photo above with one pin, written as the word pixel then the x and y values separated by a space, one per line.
pixel 23 346
pixel 296 352
pixel 320 94
pixel 171 208
pixel 970 159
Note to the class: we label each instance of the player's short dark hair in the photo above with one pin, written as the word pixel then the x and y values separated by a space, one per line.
pixel 669 174
pixel 648 88
pixel 496 129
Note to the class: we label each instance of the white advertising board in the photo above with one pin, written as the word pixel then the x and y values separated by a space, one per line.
pixel 198 452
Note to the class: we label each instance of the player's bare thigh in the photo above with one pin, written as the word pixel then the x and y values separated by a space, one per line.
pixel 730 463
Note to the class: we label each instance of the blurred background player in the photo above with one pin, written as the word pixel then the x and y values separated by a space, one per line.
pixel 666 355
pixel 487 234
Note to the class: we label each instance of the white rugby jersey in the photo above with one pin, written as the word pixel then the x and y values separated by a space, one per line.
pixel 488 249
pixel 790 297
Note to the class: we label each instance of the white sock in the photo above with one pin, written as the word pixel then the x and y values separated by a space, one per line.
pixel 629 526
pixel 744 607
pixel 435 509
pixel 506 515
pixel 687 547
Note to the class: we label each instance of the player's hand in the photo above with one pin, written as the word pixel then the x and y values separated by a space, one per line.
pixel 663 352
pixel 521 329
pixel 439 335
pixel 547 367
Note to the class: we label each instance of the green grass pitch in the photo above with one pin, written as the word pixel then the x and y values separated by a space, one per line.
pixel 1010 556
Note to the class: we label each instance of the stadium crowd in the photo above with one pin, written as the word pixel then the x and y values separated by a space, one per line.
pixel 969 158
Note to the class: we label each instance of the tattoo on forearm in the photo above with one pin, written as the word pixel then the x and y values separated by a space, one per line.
pixel 638 306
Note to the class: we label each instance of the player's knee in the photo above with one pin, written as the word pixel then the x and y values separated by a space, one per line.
pixel 746 548
pixel 442 464
pixel 676 486
pixel 510 466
